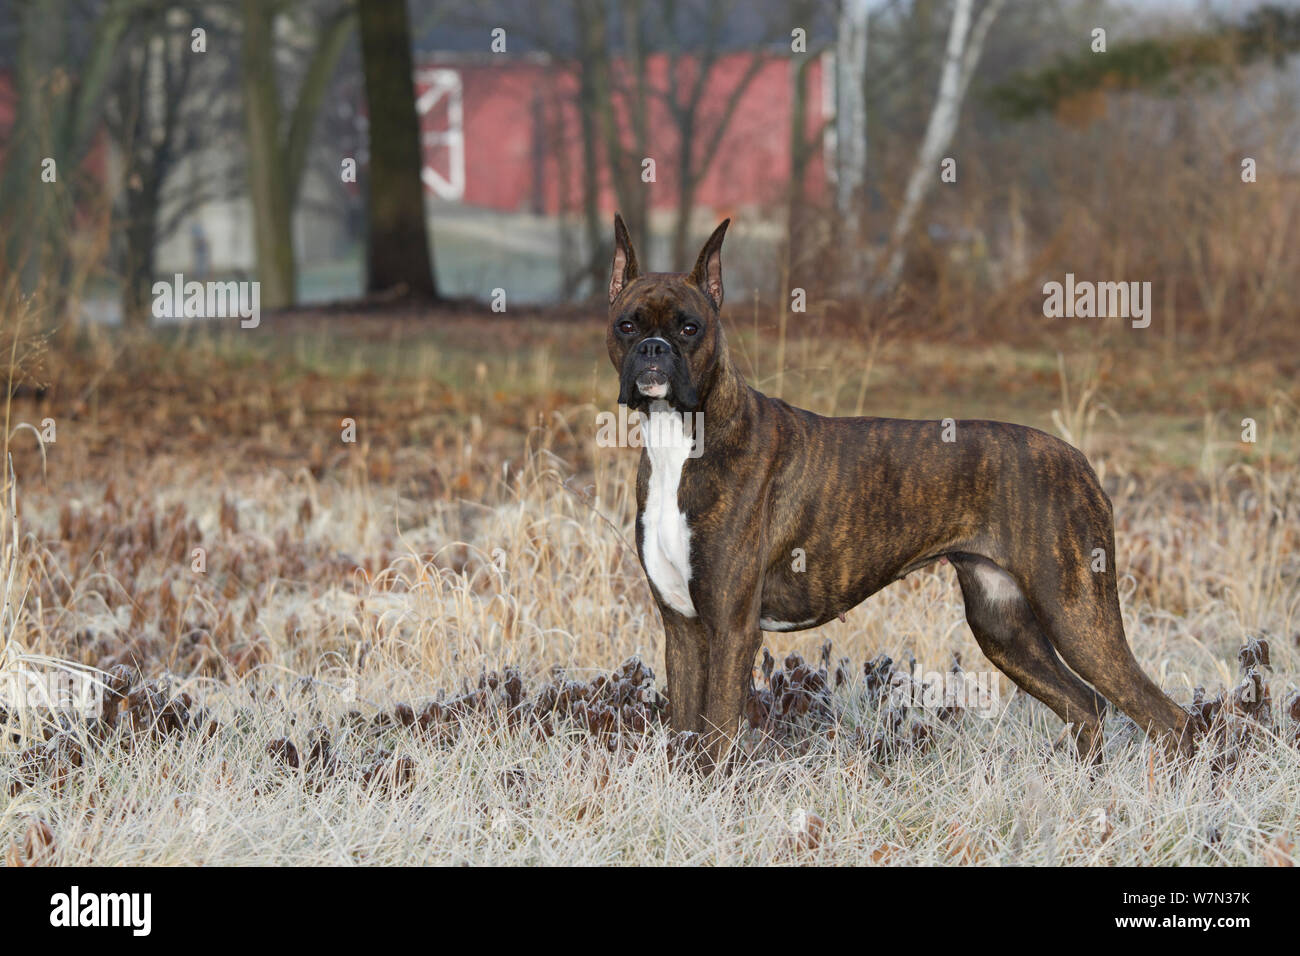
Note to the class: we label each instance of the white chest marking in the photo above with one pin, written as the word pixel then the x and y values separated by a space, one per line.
pixel 665 538
pixel 998 586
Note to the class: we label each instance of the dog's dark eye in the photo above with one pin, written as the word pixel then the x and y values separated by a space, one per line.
pixel 627 327
pixel 690 328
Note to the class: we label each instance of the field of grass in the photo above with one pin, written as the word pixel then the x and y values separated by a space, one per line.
pixel 404 649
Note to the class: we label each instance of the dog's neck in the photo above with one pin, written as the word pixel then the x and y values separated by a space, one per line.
pixel 724 402
pixel 727 391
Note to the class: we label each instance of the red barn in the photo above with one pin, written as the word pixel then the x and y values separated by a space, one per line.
pixel 504 134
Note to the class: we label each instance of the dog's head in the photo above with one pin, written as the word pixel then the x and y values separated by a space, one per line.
pixel 664 336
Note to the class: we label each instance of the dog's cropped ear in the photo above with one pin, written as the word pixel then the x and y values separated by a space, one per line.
pixel 708 267
pixel 625 267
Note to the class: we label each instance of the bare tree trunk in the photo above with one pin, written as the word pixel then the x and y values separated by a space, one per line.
pixel 625 164
pixel 277 150
pixel 31 212
pixel 802 146
pixel 138 267
pixel 150 114
pixel 798 134
pixel 591 50
pixel 398 252
pixel 694 165
pixel 689 105
pixel 268 181
pixel 686 185
pixel 960 59
pixel 56 120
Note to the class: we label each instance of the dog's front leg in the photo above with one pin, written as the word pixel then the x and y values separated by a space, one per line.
pixel 733 642
pixel 686 654
pixel 731 666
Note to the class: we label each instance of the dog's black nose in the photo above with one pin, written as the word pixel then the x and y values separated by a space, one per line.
pixel 652 348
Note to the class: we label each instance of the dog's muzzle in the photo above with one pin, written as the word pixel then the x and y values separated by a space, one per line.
pixel 652 383
pixel 653 355
pixel 654 371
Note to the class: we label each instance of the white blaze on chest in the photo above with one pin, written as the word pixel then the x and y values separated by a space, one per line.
pixel 665 538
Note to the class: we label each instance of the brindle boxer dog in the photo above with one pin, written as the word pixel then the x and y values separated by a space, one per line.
pixel 869 500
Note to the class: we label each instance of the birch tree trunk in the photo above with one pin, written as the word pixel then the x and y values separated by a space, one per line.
pixel 960 59
pixel 851 131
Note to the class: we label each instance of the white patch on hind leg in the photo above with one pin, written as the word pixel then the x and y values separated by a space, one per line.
pixel 997 586
pixel 665 537
pixel 769 624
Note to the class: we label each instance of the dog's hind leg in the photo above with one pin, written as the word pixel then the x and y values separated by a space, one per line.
pixel 1087 630
pixel 1012 638
pixel 1079 607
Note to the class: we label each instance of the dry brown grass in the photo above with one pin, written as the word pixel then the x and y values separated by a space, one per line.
pixel 475 525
